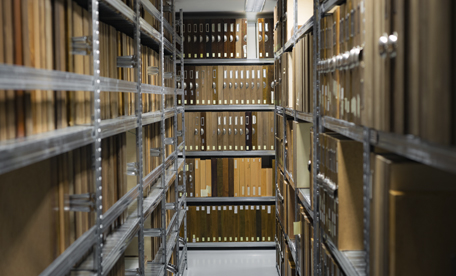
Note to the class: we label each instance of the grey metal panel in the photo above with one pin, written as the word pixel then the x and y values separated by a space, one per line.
pixel 231 153
pixel 329 4
pixel 267 200
pixel 253 107
pixel 230 244
pixel 304 197
pixel 345 128
pixel 230 61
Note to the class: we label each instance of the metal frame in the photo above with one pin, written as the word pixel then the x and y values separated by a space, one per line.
pixel 230 61
pixel 22 152
pixel 438 156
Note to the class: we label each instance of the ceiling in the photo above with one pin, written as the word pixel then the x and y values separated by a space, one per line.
pixel 218 5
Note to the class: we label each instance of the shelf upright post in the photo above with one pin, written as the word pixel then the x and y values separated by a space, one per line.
pixel 316 121
pixel 96 134
pixel 139 137
pixel 163 136
pixel 176 181
pixel 184 170
pixel 367 186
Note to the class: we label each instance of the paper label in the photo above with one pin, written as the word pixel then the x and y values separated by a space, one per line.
pixel 196 164
pixel 224 147
pixel 258 238
pixel 230 208
pixel 224 208
pixel 258 207
pixel 247 101
pixel 235 209
pixel 241 207
pixel 252 207
pixel 235 164
pixel 269 209
pixel 203 192
pixel 202 239
pixel 202 101
pixel 213 208
pixel 208 210
pixel 191 194
pixel 196 147
pixel 208 239
pixel 220 239
pixel 297 228
pixel 263 207
pixel 213 147
pixel 248 191
pixel 241 238
pixel 242 101
pixel 220 147
pixel 224 239
pixel 246 238
pixel 259 191
pixel 203 208
pixel 231 239
pixel 219 208
pixel 253 188
pixel 197 208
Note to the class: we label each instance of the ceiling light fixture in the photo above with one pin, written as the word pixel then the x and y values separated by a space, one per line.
pixel 254 5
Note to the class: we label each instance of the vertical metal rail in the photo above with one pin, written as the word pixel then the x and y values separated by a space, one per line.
pixel 283 110
pixel 316 121
pixel 296 218
pixel 163 136
pixel 176 181
pixel 96 146
pixel 184 170
pixel 139 134
pixel 367 186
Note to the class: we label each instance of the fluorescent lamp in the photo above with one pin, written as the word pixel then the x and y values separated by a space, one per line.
pixel 254 5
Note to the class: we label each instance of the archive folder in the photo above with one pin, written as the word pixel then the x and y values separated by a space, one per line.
pixel 261 45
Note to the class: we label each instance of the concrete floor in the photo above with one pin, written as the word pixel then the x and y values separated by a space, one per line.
pixel 231 263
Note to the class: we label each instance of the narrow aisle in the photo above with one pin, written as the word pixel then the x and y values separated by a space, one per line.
pixel 231 263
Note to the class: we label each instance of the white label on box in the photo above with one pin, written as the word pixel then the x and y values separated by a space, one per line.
pixel 259 191
pixel 241 207
pixel 220 208
pixel 196 164
pixel 235 164
pixel 230 208
pixel 252 207
pixel 208 210
pixel 269 209
pixel 197 208
pixel 263 207
pixel 253 190
pixel 248 191
pixel 243 191
pixel 213 208
pixel 235 209
pixel 258 207
pixel 224 208
pixel 203 208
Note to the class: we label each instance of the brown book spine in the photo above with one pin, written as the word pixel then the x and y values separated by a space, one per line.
pixel 214 176
pixel 226 182
pixel 220 177
pixel 230 177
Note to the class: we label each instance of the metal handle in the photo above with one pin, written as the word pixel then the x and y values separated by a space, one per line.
pixel 191 85
pixel 235 131
pixel 245 38
pixel 235 85
pixel 185 85
pixel 213 38
pixel 229 131
pixel 207 38
pixel 213 85
pixel 253 131
pixel 383 45
pixel 190 178
pixel 237 38
pixel 224 38
pixel 196 85
pixel 392 44
pixel 218 38
pixel 241 85
pixel 240 131
pixel 247 131
pixel 218 131
pixel 260 38
pixel 231 85
pixel 195 38
pixel 246 85
pixel 202 131
pixel 224 85
pixel 201 38
pixel 272 84
pixel 266 38
pixel 196 131
pixel 264 84
pixel 253 85
pixel 231 38
pixel 224 131
pixel 178 85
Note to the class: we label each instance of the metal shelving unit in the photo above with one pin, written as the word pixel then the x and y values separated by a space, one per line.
pixel 106 250
pixel 230 61
pixel 250 107
pixel 253 153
